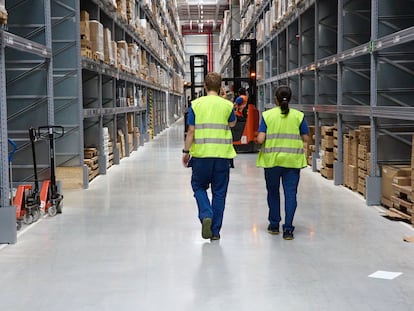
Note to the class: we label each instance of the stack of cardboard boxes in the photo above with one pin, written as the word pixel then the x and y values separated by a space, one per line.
pixel 131 126
pixel 350 149
pixel 86 49
pixel 327 148
pixel 363 157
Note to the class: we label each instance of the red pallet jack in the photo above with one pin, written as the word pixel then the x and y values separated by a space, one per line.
pixel 27 210
pixel 50 198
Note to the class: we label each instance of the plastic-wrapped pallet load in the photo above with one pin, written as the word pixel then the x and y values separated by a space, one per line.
pixel 133 54
pixel 97 40
pixel 105 141
pixel 123 58
pixel 108 47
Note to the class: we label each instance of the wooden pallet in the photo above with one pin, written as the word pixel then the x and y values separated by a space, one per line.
pixel 93 174
pixel 86 53
pixel 89 153
pixel 92 162
pixel 86 44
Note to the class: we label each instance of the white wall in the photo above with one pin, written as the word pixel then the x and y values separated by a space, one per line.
pixel 198 44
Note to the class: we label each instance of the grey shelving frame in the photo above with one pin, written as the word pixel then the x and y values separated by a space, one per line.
pixel 349 62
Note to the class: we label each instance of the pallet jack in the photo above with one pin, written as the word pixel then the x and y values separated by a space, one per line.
pixel 49 197
pixel 27 207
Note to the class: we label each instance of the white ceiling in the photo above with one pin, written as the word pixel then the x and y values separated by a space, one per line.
pixel 201 15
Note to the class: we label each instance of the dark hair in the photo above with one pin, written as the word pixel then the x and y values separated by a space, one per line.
pixel 242 91
pixel 283 96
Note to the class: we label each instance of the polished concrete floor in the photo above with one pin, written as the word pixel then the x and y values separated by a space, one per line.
pixel 132 241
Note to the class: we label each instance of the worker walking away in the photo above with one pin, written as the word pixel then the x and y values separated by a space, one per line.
pixel 282 132
pixel 210 144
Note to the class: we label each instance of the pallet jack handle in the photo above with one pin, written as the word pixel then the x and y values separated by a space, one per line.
pixel 51 132
pixel 32 135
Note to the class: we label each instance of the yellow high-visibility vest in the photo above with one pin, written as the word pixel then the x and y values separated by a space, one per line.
pixel 212 136
pixel 283 145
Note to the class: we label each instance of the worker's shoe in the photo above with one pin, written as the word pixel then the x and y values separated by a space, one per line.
pixel 273 230
pixel 206 228
pixel 288 235
pixel 215 237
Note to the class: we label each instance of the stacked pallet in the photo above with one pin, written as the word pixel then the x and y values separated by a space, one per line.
pixel 402 199
pixel 402 196
pixel 90 156
pixel 363 157
pixel 392 175
pixel 327 150
pixel 351 142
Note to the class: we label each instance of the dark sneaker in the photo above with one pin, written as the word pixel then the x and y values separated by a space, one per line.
pixel 273 230
pixel 206 228
pixel 215 237
pixel 288 235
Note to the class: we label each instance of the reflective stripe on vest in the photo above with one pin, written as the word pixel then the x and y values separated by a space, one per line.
pixel 212 126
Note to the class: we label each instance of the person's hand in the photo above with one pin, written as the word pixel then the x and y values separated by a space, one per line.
pixel 185 159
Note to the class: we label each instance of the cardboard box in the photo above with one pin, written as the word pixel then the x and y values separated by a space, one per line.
pixel 108 47
pixel 388 173
pixel 84 30
pixel 84 16
pixel 131 126
pixel 402 180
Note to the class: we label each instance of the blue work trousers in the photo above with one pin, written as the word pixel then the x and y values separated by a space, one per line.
pixel 290 180
pixel 214 172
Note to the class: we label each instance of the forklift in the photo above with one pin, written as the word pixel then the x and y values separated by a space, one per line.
pixel 243 52
pixel 198 67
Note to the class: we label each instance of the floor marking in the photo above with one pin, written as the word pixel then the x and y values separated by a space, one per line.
pixel 386 275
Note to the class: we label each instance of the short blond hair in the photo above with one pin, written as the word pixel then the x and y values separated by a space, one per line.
pixel 212 81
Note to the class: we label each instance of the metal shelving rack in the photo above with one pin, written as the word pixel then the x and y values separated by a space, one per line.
pixel 349 62
pixel 45 80
pixel 27 89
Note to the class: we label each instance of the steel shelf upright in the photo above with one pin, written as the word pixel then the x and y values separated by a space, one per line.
pixel 67 84
pixel 26 83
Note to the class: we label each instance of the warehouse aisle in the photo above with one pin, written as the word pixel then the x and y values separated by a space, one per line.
pixel 132 242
